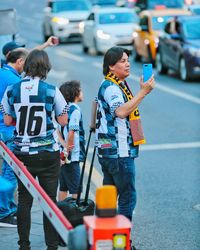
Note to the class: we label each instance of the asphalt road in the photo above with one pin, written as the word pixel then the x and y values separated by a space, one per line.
pixel 167 215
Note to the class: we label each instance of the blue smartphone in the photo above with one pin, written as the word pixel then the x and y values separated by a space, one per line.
pixel 147 71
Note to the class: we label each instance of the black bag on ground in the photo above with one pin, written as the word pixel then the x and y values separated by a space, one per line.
pixel 75 209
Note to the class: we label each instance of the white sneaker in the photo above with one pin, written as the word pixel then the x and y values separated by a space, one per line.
pixel 9 221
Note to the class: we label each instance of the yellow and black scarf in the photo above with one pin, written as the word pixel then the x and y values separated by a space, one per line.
pixel 134 117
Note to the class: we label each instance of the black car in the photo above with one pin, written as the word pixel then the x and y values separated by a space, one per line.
pixel 179 47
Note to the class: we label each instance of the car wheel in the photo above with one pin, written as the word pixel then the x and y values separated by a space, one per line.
pixel 45 36
pixel 85 48
pixel 136 56
pixel 161 69
pixel 96 47
pixel 150 58
pixel 183 70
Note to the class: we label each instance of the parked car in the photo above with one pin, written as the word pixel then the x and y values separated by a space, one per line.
pixel 106 27
pixel 104 3
pixel 194 8
pixel 151 23
pixel 179 49
pixel 62 18
pixel 141 5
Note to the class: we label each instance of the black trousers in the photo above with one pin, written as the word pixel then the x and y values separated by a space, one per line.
pixel 45 166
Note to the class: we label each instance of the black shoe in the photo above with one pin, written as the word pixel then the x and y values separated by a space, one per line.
pixel 61 242
pixel 8 221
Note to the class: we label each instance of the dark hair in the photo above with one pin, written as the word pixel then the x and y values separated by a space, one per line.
pixel 16 54
pixel 112 56
pixel 37 64
pixel 70 90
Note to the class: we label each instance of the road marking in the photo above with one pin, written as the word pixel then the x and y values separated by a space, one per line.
pixel 95 172
pixel 58 74
pixel 163 88
pixel 153 147
pixel 172 91
pixel 97 178
pixel 134 77
pixel 178 93
pixel 25 20
pixel 182 145
pixel 197 207
pixel 66 54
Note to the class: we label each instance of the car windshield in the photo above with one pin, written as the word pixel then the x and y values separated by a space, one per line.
pixel 112 18
pixel 69 6
pixel 196 10
pixel 103 2
pixel 159 22
pixel 167 3
pixel 191 29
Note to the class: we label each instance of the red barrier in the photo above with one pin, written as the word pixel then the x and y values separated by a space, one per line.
pixel 54 214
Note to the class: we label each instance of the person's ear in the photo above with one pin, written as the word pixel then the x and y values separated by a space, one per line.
pixel 111 67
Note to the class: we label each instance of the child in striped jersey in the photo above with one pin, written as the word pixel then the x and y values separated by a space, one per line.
pixel 72 138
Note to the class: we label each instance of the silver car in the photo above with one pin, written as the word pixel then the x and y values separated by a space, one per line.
pixel 107 27
pixel 62 18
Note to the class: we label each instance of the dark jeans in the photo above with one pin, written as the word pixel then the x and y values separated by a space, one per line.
pixel 121 173
pixel 46 166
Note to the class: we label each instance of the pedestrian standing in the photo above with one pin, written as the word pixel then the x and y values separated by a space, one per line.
pixel 73 141
pixel 32 104
pixel 119 130
pixel 10 73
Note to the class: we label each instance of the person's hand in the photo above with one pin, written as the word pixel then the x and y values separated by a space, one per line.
pixel 70 147
pixel 148 86
pixel 52 41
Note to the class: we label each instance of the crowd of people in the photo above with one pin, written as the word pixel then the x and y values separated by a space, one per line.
pixel 38 121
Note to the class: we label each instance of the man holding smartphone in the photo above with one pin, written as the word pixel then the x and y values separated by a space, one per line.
pixel 119 130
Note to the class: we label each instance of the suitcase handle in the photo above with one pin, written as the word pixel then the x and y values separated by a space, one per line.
pixel 83 170
pixel 90 176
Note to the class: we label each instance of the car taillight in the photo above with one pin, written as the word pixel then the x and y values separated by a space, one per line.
pixel 160 7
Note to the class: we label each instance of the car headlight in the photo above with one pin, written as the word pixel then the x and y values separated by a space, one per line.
pixel 134 34
pixel 60 20
pixel 81 27
pixel 102 35
pixel 194 52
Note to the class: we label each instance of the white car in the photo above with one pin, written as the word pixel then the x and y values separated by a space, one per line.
pixel 107 27
pixel 62 18
pixel 194 8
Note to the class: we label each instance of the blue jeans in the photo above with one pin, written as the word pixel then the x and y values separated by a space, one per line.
pixel 7 203
pixel 121 173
